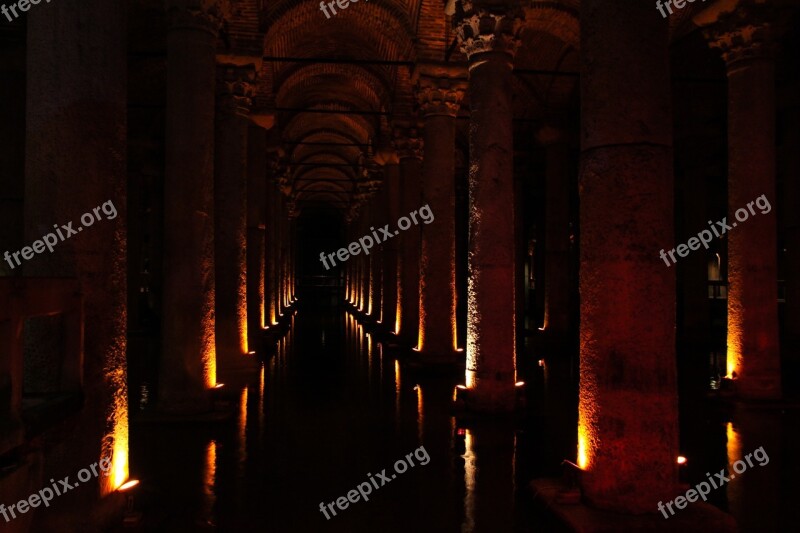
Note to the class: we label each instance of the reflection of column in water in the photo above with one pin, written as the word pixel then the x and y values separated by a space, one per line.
pixel 261 406
pixel 397 395
pixel 420 414
pixel 242 429
pixel 380 367
pixel 733 487
pixel 468 525
pixel 369 363
pixel 210 480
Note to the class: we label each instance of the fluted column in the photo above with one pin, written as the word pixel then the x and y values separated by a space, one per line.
pixel 235 90
pixel 627 356
pixel 409 151
pixel 488 38
pixel 188 361
pixel 256 223
pixel 439 97
pixel 744 38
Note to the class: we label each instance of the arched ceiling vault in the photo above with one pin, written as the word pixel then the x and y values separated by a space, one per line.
pixel 336 86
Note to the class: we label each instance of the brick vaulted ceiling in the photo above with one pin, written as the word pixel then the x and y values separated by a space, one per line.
pixel 336 86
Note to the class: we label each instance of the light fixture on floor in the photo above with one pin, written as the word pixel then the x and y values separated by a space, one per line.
pixel 131 518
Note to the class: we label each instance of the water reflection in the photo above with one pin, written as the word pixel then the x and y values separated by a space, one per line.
pixel 328 408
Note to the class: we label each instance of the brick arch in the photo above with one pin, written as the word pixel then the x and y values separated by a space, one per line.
pixel 347 81
pixel 380 30
pixel 355 126
pixel 558 18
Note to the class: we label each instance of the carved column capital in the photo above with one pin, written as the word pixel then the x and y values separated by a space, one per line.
pixel 408 143
pixel 236 87
pixel 482 27
pixel 440 96
pixel 746 33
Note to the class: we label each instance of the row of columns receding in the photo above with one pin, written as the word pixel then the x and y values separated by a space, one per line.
pixel 627 295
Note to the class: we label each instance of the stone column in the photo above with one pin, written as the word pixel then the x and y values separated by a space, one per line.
pixel 439 95
pixel 558 286
pixel 280 254
pixel 188 362
pixel 627 356
pixel 745 40
pixel 256 223
pixel 488 38
pixel 409 151
pixel 235 89
pixel 366 260
pixel 271 234
pixel 75 172
pixel 376 254
pixel 390 206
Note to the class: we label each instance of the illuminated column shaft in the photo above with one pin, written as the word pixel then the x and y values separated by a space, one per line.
pixel 75 161
pixel 391 205
pixel 491 319
pixel 188 362
pixel 279 266
pixel 409 147
pixel 627 356
pixel 753 343
pixel 366 260
pixel 270 282
pixel 439 103
pixel 230 213
pixel 376 255
pixel 557 257
pixel 256 211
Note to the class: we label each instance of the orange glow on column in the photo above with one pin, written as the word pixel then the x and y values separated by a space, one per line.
pixel 242 318
pixel 734 354
pixel 398 316
pixel 118 452
pixel 210 366
pixel 261 294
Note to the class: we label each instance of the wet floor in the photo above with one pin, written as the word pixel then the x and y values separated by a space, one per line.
pixel 333 408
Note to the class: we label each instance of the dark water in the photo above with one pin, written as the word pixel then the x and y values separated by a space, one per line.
pixel 333 405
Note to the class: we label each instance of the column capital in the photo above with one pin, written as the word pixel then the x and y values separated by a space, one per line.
pixel 408 143
pixel 748 32
pixel 440 96
pixel 236 87
pixel 487 27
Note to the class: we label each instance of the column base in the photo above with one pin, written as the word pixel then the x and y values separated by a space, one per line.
pixel 559 502
pixel 759 387
pixel 490 396
pixel 436 357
